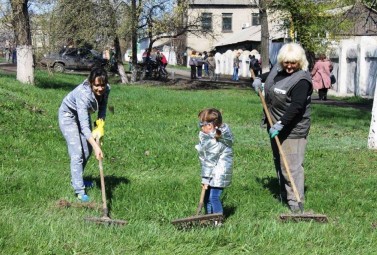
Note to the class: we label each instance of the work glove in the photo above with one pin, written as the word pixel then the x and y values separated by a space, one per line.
pixel 99 131
pixel 275 129
pixel 258 85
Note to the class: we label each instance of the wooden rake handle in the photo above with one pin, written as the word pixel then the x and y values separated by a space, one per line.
pixel 201 201
pixel 102 178
pixel 281 151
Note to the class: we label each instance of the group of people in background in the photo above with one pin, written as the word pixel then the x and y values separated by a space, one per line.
pixel 10 54
pixel 154 58
pixel 254 66
pixel 199 60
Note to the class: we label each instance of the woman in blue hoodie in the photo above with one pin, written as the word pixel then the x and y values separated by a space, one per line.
pixel 75 124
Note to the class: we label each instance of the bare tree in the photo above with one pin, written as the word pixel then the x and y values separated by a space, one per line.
pixel 161 19
pixel 265 35
pixel 111 8
pixel 135 14
pixel 6 33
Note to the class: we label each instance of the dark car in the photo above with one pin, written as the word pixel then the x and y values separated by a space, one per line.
pixel 74 59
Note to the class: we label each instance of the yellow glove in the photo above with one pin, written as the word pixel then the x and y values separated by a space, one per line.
pixel 99 131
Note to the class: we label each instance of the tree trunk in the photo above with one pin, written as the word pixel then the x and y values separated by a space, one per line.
pixel 265 37
pixel 372 138
pixel 21 24
pixel 134 41
pixel 118 57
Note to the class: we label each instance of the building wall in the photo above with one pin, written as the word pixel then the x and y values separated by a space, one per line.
pixel 240 16
pixel 355 66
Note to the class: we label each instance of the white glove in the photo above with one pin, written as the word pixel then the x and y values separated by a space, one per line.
pixel 258 85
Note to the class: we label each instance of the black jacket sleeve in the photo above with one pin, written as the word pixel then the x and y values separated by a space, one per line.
pixel 299 95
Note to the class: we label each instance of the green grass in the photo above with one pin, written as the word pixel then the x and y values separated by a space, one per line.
pixel 151 190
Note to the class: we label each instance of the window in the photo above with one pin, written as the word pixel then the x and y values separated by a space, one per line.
pixel 227 22
pixel 207 21
pixel 255 19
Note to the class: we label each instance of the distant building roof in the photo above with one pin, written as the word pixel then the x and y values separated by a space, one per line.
pixel 252 33
pixel 222 2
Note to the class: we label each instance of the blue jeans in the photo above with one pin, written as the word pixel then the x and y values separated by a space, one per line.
pixel 235 74
pixel 212 200
pixel 206 69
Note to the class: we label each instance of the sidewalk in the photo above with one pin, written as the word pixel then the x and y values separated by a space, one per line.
pixel 8 67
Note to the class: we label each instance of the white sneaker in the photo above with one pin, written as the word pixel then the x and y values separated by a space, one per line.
pixel 218 223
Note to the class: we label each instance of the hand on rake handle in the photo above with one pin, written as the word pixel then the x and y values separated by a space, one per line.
pixel 275 129
pixel 96 148
pixel 205 186
pixel 258 85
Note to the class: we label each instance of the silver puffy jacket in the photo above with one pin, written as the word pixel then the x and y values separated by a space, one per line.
pixel 216 157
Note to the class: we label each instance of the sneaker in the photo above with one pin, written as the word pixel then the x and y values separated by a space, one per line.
pixel 218 223
pixel 83 197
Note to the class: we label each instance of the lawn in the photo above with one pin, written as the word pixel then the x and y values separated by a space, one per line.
pixel 152 176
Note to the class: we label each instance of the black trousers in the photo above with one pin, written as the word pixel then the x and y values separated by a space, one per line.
pixel 193 72
pixel 322 93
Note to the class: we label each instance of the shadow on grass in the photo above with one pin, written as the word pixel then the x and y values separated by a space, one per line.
pixel 111 182
pixel 62 81
pixel 360 104
pixel 185 84
pixel 54 82
pixel 229 211
pixel 271 184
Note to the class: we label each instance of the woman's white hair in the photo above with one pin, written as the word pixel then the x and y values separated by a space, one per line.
pixel 292 52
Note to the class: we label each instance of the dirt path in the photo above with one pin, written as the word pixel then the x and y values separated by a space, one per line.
pixel 8 67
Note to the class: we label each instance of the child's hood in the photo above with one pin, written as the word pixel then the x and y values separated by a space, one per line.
pixel 226 135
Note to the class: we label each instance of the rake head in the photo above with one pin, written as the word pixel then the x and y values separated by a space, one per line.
pixel 106 221
pixel 297 217
pixel 62 203
pixel 198 221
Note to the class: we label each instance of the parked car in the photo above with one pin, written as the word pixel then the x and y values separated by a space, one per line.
pixel 74 59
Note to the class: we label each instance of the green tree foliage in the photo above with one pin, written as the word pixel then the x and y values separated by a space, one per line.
pixel 76 21
pixel 306 22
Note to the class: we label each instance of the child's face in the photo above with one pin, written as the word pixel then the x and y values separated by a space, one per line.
pixel 207 127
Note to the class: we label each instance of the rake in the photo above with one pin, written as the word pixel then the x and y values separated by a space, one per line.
pixel 105 219
pixel 198 219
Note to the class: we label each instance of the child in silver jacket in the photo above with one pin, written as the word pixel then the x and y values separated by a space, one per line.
pixel 216 157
